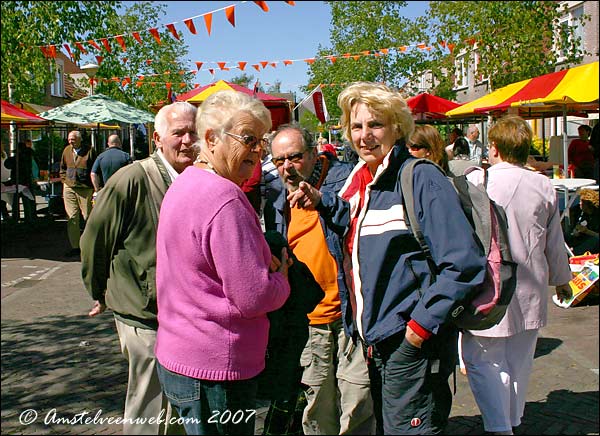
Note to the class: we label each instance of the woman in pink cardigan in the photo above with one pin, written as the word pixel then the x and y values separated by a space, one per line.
pixel 216 279
pixel 499 360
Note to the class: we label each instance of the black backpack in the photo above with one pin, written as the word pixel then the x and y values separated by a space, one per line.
pixel 486 305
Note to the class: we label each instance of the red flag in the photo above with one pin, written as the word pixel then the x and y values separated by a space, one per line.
pixel 263 6
pixel 242 65
pixel 68 49
pixel 106 44
pixel 190 25
pixel 230 14
pixel 137 37
pixel 99 59
pixel 173 31
pixel 221 65
pixel 315 103
pixel 291 3
pixel 154 32
pixel 287 62
pixel 94 44
pixel 121 42
pixel 208 22
pixel 52 51
pixel 264 63
pixel 199 65
pixel 80 47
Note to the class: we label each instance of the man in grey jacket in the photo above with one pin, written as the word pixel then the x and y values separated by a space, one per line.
pixel 118 259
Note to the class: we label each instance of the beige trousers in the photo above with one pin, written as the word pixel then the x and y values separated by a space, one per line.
pixel 144 398
pixel 338 394
pixel 76 199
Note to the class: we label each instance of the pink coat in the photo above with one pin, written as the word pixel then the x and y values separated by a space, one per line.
pixel 536 241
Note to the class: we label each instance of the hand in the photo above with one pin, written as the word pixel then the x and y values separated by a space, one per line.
pixel 97 309
pixel 285 263
pixel 412 338
pixel 306 197
pixel 563 292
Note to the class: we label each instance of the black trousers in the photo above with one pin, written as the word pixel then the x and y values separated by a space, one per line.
pixel 409 385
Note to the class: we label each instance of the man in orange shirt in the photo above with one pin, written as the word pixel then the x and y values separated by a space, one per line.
pixel 334 366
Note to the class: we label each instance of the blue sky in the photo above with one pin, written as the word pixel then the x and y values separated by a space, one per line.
pixel 285 32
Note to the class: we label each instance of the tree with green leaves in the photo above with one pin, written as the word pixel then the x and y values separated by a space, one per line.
pixel 246 80
pixel 512 41
pixel 27 25
pixel 357 27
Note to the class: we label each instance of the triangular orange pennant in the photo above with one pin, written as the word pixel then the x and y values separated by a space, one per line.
pixel 356 57
pixel 99 60
pixel 44 50
pixel 309 60
pixel 287 63
pixel 173 31
pixel 211 71
pixel 263 6
pixel 291 3
pixel 256 67
pixel 196 85
pixel 168 85
pixel 138 84
pixel 190 25
pixel 273 64
pixel 384 50
pixel 52 51
pixel 126 81
pixel 94 44
pixel 451 47
pixel 264 63
pixel 137 37
pixel 68 49
pixel 148 61
pixel 366 52
pixel 121 41
pixel 230 14
pixel 198 65
pixel 81 48
pixel 421 46
pixel 154 32
pixel 376 54
pixel 222 65
pixel 106 44
pixel 402 48
pixel 181 85
pixel 208 22
pixel 346 55
pixel 242 65
pixel 443 44
pixel 332 59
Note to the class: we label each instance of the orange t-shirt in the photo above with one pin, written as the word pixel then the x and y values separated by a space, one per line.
pixel 307 241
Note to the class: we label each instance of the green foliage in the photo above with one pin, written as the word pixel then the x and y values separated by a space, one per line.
pixel 309 121
pixel 27 25
pixel 246 80
pixel 514 41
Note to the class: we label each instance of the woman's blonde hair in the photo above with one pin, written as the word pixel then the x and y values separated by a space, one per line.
pixel 382 101
pixel 590 196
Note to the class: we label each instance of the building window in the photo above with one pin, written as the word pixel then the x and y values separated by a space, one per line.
pixel 572 19
pixel 58 87
pixel 462 72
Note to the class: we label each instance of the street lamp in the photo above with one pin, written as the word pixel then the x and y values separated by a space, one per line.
pixel 91 69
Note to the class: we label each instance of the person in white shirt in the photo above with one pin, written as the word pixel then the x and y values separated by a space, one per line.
pixel 477 151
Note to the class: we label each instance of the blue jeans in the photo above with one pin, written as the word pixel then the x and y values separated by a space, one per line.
pixel 211 407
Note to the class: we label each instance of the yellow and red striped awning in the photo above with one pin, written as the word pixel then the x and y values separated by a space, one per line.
pixel 574 90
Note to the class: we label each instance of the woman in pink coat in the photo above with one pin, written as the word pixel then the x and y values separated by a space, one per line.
pixel 499 360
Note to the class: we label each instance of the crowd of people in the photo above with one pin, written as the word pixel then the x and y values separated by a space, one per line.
pixel 178 250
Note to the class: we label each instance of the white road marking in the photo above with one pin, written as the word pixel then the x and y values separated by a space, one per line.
pixel 45 273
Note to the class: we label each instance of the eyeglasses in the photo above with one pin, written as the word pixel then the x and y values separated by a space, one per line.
pixel 293 158
pixel 416 147
pixel 249 141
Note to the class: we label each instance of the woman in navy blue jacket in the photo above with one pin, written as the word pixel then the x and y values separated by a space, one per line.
pixel 394 306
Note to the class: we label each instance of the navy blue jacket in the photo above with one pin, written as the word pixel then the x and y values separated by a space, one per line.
pixel 392 278
pixel 334 180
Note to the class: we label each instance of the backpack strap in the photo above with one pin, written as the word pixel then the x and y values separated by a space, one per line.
pixel 158 181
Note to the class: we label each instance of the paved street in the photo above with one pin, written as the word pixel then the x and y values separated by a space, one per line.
pixel 57 363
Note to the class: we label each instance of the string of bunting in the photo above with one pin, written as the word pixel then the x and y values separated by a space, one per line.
pixel 50 50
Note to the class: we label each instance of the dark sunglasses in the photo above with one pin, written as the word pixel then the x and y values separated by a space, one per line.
pixel 249 141
pixel 416 147
pixel 293 158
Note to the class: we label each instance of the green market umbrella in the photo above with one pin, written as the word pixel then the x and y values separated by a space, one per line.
pixel 97 108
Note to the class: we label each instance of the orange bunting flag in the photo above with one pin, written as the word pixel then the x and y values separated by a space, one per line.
pixel 470 41
pixel 366 52
pixel 168 85
pixel 242 65
pixel 356 57
pixel 68 49
pixel 230 14
pixel 273 64
pixel 116 79
pixel 190 25
pixel 291 3
pixel 421 46
pixel 263 6
pixel 376 54
pixel 181 85
pixel 402 48
pixel 208 22
pixel 125 60
pixel 52 51
pixel 196 85
pixel 45 51
pixel 286 63
pixel 211 71
pixel 346 55
pixel 310 61
pixel 121 41
pixel 154 32
pixel 93 44
pixel 332 59
pixel 256 67
pixel 106 44
pixel 443 44
pixel 138 84
pixel 148 61
pixel 384 50
pixel 99 60
pixel 137 37
pixel 451 47
pixel 126 81
pixel 80 47
pixel 173 31
pixel 181 72
pixel 198 65
pixel 221 65
pixel 264 63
